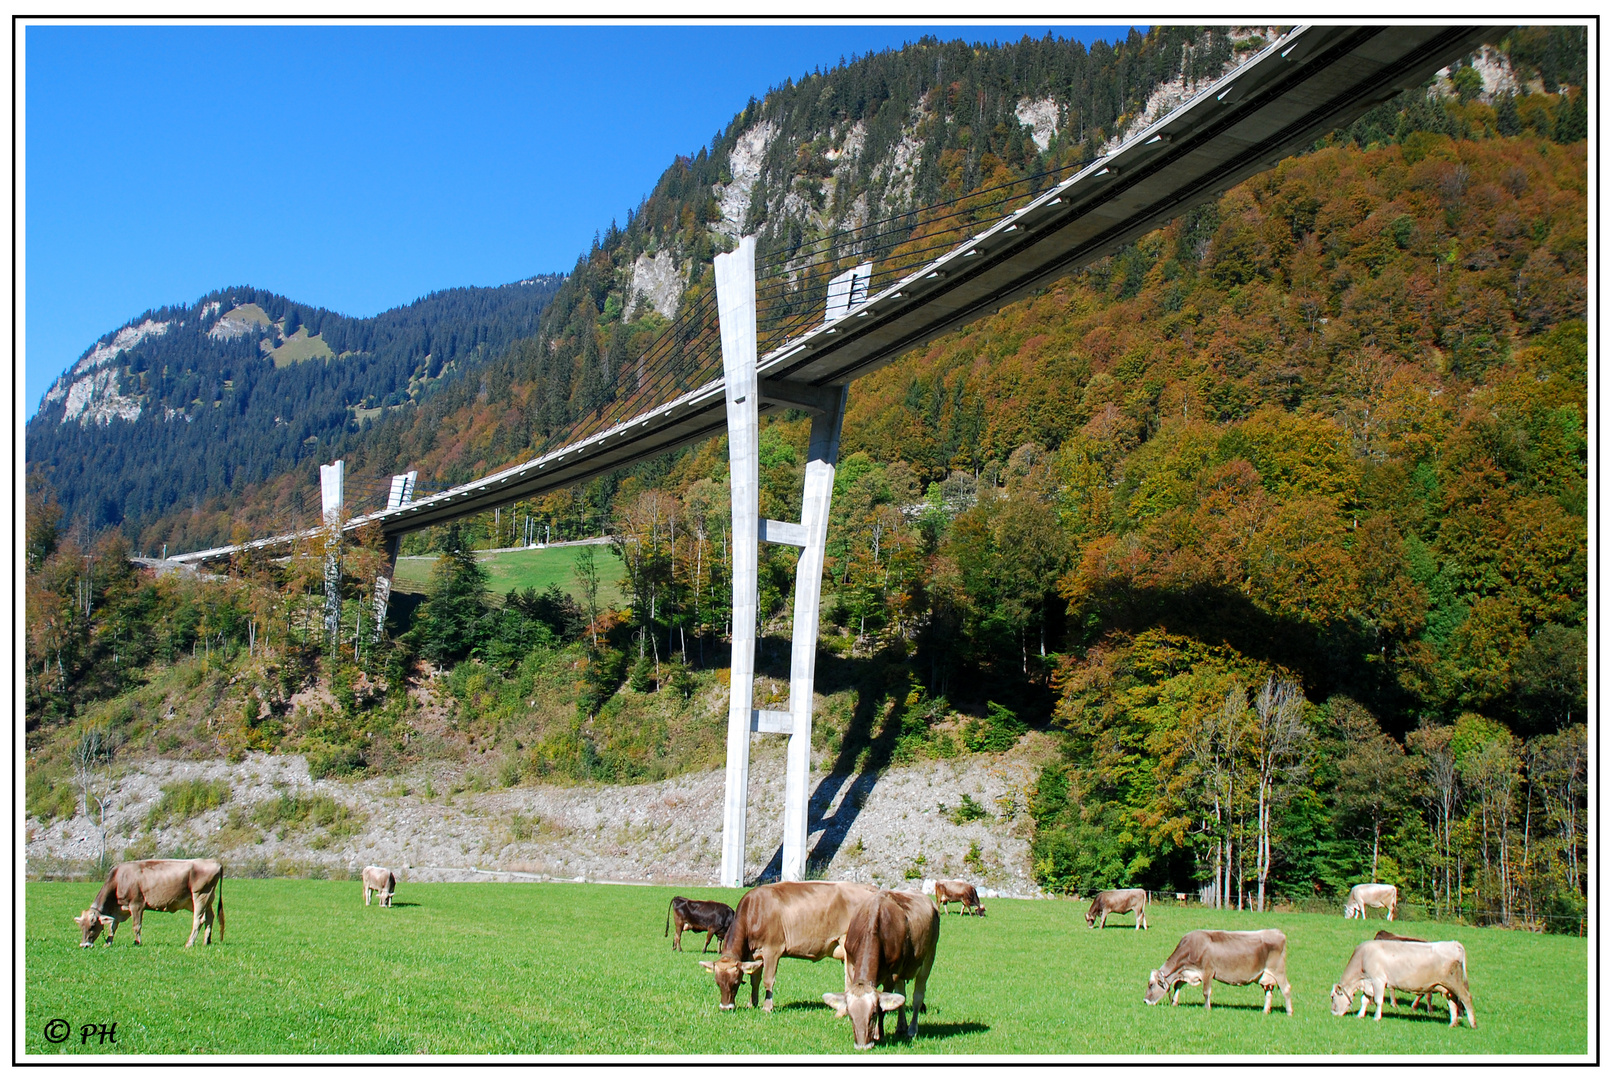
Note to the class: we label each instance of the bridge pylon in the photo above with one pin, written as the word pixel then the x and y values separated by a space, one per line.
pixel 744 392
pixel 330 499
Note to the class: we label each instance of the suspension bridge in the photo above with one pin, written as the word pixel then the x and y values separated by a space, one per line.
pixel 793 327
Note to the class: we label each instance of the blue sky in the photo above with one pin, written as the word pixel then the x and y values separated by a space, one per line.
pixel 358 168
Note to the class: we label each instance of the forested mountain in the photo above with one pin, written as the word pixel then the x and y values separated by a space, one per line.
pixel 197 402
pixel 1280 514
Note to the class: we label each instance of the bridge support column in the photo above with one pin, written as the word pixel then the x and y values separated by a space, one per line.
pixel 736 306
pixel 822 454
pixel 736 315
pixel 330 498
pixel 402 492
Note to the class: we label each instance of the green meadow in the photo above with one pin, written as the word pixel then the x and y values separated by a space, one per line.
pixel 483 968
pixel 536 568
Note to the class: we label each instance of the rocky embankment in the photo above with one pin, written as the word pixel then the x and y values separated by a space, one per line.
pixel 963 817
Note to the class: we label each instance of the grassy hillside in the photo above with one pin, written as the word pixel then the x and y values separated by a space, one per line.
pixel 583 969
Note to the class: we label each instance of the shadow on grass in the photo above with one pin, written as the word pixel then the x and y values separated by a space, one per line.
pixel 928 1031
pixel 403 903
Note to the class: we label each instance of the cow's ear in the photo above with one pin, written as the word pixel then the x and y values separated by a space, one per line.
pixel 890 1002
pixel 750 967
pixel 837 1002
pixel 707 964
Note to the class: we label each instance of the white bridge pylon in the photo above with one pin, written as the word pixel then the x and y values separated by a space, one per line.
pixel 736 313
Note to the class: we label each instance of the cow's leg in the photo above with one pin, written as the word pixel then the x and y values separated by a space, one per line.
pixel 1377 989
pixel 1103 920
pixel 198 914
pixel 1207 981
pixel 1288 997
pixel 677 938
pixel 707 943
pixel 769 970
pixel 366 896
pixel 207 919
pixel 1266 984
pixel 1176 993
pixel 1366 999
pixel 137 910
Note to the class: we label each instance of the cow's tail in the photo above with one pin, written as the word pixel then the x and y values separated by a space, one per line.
pixel 668 928
pixel 218 895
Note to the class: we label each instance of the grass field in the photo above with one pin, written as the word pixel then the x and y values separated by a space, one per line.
pixel 535 567
pixel 305 968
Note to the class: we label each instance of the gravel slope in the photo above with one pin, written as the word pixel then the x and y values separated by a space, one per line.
pixel 863 827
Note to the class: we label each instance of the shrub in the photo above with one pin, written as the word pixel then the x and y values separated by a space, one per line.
pixel 974 860
pixel 915 871
pixel 335 761
pixel 287 813
pixel 50 797
pixel 999 731
pixel 968 810
pixel 185 799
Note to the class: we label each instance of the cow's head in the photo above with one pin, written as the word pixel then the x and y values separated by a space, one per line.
pixel 1091 918
pixel 1157 987
pixel 91 922
pixel 980 909
pixel 730 973
pixel 1341 1000
pixel 867 1009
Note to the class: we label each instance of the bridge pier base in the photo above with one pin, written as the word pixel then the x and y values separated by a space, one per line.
pixel 736 307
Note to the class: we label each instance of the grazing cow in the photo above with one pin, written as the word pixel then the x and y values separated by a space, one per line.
pixel 379 880
pixel 801 919
pixel 890 939
pixel 160 885
pixel 1420 967
pixel 712 916
pixel 1426 999
pixel 1119 902
pixel 1364 896
pixel 961 891
pixel 1235 957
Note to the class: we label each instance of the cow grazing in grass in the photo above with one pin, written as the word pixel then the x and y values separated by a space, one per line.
pixel 379 879
pixel 891 939
pixel 1420 967
pixel 1118 902
pixel 1364 896
pixel 712 916
pixel 159 885
pixel 801 919
pixel 961 891
pixel 1426 999
pixel 1235 957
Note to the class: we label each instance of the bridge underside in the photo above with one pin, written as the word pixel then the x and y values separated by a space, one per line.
pixel 1303 86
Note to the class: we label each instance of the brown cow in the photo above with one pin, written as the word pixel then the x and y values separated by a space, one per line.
pixel 1119 902
pixel 961 891
pixel 712 916
pixel 1371 895
pixel 1426 999
pixel 379 880
pixel 161 885
pixel 891 939
pixel 1418 966
pixel 802 919
pixel 1235 957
